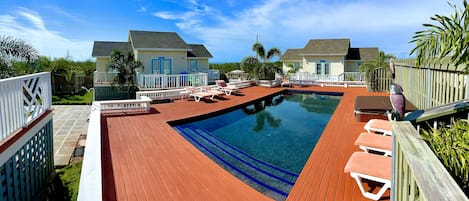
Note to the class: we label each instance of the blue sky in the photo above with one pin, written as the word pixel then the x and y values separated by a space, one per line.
pixel 227 28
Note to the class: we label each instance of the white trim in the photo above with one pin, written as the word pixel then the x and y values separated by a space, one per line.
pixel 12 149
pixel 91 173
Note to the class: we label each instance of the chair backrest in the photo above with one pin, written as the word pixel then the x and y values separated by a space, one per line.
pixel 221 83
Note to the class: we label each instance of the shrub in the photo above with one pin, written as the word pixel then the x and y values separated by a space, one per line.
pixel 451 146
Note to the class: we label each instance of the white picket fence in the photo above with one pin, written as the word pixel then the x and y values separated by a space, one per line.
pixel 22 100
pixel 161 81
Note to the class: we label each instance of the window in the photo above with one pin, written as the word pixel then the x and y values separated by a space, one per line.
pixel 193 66
pixel 326 69
pixel 318 68
pixel 161 65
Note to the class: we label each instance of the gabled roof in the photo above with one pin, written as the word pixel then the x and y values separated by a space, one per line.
pixel 292 54
pixel 198 50
pixel 327 47
pixel 104 48
pixel 156 40
pixel 363 54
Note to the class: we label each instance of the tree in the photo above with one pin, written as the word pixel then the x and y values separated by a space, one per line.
pixel 382 61
pixel 448 38
pixel 14 49
pixel 125 66
pixel 255 66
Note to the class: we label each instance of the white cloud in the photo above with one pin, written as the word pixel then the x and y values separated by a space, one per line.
pixel 290 24
pixel 30 27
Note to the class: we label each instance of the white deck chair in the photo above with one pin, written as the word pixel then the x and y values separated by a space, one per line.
pixel 197 94
pixel 227 89
pixel 377 143
pixel 213 91
pixel 372 167
pixel 379 125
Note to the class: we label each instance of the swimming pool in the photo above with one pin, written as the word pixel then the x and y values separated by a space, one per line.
pixel 265 144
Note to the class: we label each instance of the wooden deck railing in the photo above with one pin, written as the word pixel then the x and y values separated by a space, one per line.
pixel 162 94
pixel 22 100
pixel 417 172
pixel 432 85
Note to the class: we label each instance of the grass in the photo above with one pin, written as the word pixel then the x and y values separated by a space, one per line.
pixel 65 184
pixel 76 99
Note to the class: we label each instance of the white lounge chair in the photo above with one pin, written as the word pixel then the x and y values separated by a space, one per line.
pixel 197 94
pixel 375 143
pixel 212 91
pixel 228 89
pixel 379 126
pixel 285 82
pixel 372 167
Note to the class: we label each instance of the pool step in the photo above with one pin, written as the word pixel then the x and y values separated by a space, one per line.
pixel 266 178
pixel 286 175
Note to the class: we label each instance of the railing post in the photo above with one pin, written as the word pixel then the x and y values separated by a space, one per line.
pixel 467 86
pixel 429 88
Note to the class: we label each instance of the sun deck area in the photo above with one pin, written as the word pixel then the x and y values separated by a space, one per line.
pixel 143 158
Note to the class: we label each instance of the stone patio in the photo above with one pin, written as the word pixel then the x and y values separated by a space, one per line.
pixel 70 121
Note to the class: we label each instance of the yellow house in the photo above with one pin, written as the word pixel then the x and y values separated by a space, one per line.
pixel 160 52
pixel 327 58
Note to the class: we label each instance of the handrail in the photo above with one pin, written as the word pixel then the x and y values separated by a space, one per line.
pixel 417 172
pixel 142 102
pixel 22 100
pixel 162 81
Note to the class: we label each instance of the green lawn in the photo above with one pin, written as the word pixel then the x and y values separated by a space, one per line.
pixel 77 99
pixel 65 184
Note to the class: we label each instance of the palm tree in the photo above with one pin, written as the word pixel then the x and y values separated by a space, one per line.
pixel 126 66
pixel 12 48
pixel 254 66
pixel 266 57
pixel 447 39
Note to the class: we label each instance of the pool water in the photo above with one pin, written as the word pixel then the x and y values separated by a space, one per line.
pixel 265 144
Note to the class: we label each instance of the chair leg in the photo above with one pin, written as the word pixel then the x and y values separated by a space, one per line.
pixel 369 195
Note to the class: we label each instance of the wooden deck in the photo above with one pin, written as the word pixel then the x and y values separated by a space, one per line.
pixel 145 159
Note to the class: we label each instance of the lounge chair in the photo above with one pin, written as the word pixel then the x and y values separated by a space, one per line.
pixel 227 89
pixel 213 91
pixel 375 143
pixel 197 94
pixel 379 126
pixel 285 82
pixel 372 167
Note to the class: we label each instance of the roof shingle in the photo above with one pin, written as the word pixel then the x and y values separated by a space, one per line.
pixel 159 40
pixel 291 54
pixel 198 50
pixel 327 46
pixel 104 48
pixel 363 54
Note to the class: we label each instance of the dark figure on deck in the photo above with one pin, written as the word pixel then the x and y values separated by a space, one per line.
pixel 397 102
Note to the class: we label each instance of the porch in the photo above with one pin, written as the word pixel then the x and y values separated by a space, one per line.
pixel 160 81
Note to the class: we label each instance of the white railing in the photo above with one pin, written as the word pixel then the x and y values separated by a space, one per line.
pixel 314 77
pixel 161 81
pixel 22 100
pixel 142 103
pixel 104 78
pixel 162 94
pixel 352 76
pixel 212 74
pixel 241 84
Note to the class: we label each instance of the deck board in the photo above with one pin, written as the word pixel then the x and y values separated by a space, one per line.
pixel 145 159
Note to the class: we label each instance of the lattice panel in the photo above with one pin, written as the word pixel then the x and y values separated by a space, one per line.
pixel 33 97
pixel 27 171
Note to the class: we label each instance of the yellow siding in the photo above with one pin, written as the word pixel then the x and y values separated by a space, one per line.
pixel 336 62
pixel 202 64
pixel 179 59
pixel 101 64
